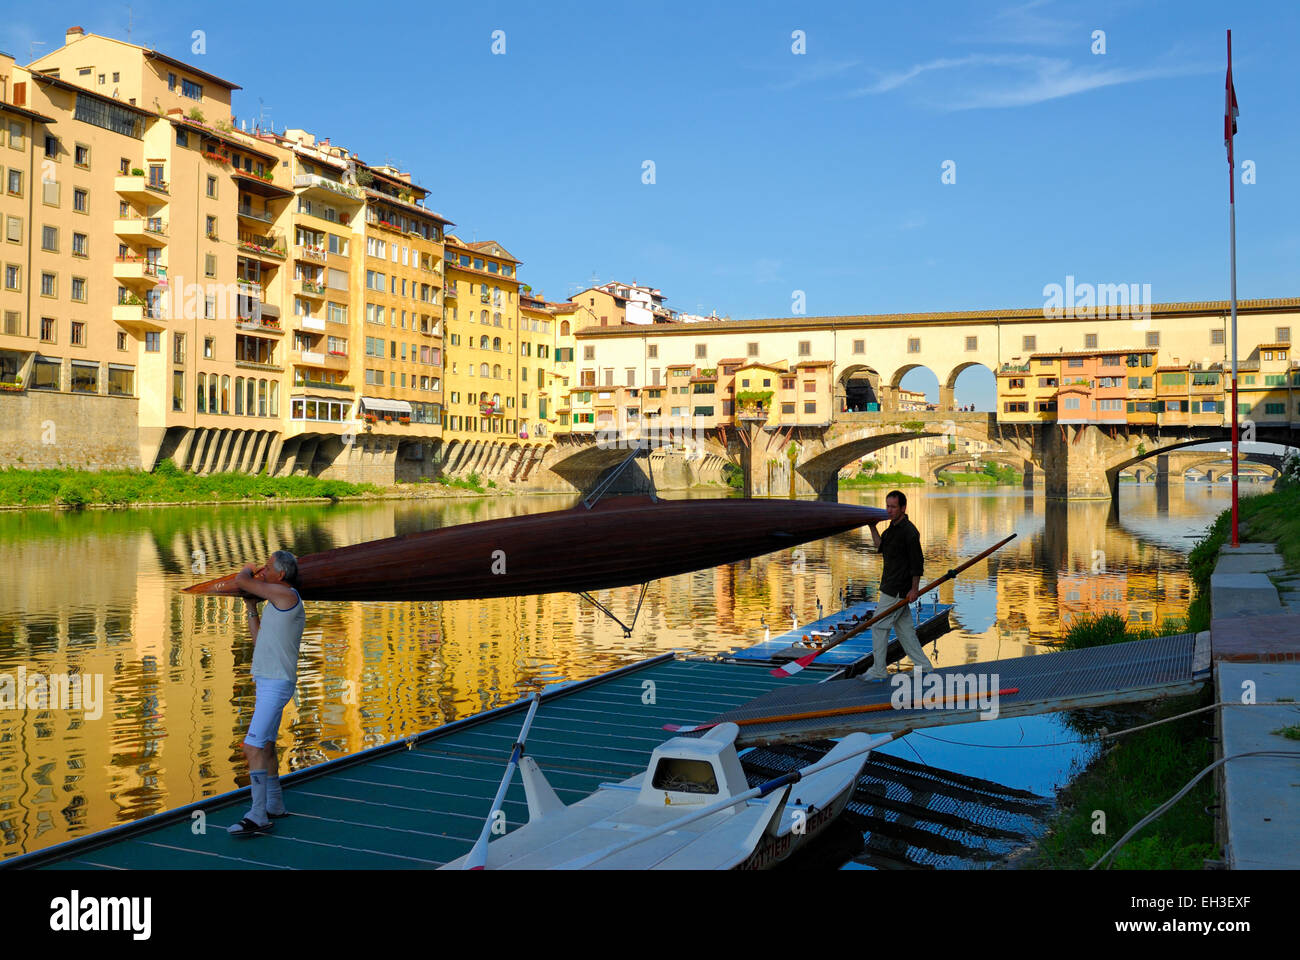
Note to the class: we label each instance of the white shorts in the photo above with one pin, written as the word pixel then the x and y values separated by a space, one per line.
pixel 272 695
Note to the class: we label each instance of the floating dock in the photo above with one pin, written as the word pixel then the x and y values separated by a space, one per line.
pixel 420 802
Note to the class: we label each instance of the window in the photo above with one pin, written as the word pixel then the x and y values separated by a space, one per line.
pixel 212 187
pixel 80 200
pixel 49 285
pixel 1283 334
pixel 50 239
pixel 15 182
pixel 121 340
pixel 78 333
pixel 110 116
pixel 212 228
pixel 859 346
pixel 652 351
pixel 751 349
pixel 153 341
pixel 17 133
pixel 51 146
pixel 209 345
pixel 1074 362
pixel 210 265
pixel 1029 344
pixel 914 345
pixel 13 276
pixel 191 89
pixel 48 329
pixel 810 406
pixel 1153 338
pixel 1216 336
pixel 85 377
pixel 82 156
pixel 1275 408
pixel 972 344
pixel 701 351
pixel 79 289
pixel 14 229
pixel 79 245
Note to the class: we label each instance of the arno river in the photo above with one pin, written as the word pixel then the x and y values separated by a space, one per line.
pixel 97 593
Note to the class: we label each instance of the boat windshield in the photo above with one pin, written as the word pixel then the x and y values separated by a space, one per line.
pixel 685 776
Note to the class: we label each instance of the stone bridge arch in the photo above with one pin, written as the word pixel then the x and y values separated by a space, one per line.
pixel 936 465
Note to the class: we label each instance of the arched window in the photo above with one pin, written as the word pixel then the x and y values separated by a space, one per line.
pixel 496 399
pixel 261 398
pixel 564 328
pixel 496 370
pixel 212 393
pixel 483 342
pixel 483 370
pixel 496 344
pixel 275 398
pixel 202 405
pixel 225 394
pixel 483 317
pixel 250 397
pixel 239 396
pixel 483 397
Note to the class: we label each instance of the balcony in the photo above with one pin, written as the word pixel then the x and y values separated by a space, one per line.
pixel 310 323
pixel 450 292
pixel 140 316
pixel 313 182
pixel 251 290
pixel 269 246
pixel 135 269
pixel 253 365
pixel 140 187
pixel 303 383
pixel 152 229
pixel 311 289
pixel 248 213
pixel 313 357
pixel 312 254
pixel 262 325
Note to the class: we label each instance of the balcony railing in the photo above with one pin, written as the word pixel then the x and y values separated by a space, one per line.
pixel 254 365
pixel 315 254
pixel 312 356
pixel 322 385
pixel 315 181
pixel 254 215
pixel 158 184
pixel 314 289
pixel 265 246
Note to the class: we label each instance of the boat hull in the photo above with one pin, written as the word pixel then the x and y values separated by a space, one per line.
pixel 619 542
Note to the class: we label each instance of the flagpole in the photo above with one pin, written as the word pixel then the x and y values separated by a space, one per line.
pixel 1232 270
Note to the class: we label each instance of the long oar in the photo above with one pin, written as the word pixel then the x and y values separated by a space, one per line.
pixel 762 790
pixel 477 858
pixel 790 669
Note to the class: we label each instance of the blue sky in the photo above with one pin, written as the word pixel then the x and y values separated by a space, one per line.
pixel 776 171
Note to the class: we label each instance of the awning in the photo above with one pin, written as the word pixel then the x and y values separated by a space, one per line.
pixel 389 406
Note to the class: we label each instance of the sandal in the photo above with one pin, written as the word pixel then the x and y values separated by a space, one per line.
pixel 249 828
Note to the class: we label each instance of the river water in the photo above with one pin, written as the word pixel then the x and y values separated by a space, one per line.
pixel 96 593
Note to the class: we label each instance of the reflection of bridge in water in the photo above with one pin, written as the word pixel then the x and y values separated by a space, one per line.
pixel 1074 461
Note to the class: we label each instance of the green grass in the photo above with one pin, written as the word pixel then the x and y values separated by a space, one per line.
pixel 165 484
pixel 1291 733
pixel 881 480
pixel 1131 778
pixel 1090 631
pixel 1003 476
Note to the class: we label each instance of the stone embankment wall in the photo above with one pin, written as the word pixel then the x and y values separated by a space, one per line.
pixel 42 430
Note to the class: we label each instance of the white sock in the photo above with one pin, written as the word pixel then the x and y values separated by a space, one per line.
pixel 274 796
pixel 258 812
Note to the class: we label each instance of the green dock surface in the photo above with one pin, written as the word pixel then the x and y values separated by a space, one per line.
pixel 421 802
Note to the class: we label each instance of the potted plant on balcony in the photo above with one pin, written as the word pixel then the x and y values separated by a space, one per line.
pixel 15 387
pixel 753 403
pixel 404 419
pixel 388 418
pixel 372 418
pixel 137 172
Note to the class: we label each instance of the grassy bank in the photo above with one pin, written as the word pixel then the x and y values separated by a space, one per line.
pixel 1137 773
pixel 1002 477
pixel 881 480
pixel 165 484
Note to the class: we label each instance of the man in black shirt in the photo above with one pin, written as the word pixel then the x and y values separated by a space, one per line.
pixel 900 545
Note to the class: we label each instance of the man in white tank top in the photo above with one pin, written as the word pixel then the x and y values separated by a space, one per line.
pixel 276 637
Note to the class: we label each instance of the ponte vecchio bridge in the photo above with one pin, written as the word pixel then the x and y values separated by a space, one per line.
pixel 1080 455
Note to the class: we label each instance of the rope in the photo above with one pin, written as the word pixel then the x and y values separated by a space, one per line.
pixel 1183 792
pixel 1106 734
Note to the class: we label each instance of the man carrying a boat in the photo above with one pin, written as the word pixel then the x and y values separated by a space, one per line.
pixel 277 635
pixel 900 545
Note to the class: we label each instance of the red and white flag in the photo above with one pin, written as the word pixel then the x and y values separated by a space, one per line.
pixel 1229 108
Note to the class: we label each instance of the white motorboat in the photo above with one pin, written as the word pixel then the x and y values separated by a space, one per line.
pixel 692 809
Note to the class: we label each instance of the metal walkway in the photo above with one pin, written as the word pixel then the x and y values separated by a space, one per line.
pixel 1067 680
pixel 421 802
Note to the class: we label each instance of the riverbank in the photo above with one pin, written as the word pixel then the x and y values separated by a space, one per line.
pixel 1137 773
pixel 880 480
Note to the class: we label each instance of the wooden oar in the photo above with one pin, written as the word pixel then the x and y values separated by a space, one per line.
pixel 762 790
pixel 790 669
pixel 477 858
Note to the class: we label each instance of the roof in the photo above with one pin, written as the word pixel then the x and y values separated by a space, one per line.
pixel 1092 353
pixel 155 55
pixel 24 112
pixel 1274 346
pixel 813 363
pixel 65 85
pixel 404 204
pixel 971 317
pixel 231 136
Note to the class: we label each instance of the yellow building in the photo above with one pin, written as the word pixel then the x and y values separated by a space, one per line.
pixel 482 332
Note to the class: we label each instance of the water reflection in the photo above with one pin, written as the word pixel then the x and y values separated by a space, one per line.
pixel 97 593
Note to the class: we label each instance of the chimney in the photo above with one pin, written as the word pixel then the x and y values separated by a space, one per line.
pixel 73 35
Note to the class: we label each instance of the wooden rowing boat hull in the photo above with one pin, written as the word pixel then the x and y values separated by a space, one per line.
pixel 618 542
